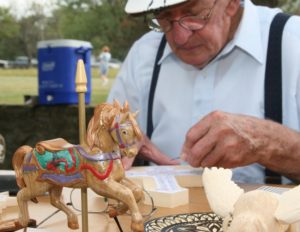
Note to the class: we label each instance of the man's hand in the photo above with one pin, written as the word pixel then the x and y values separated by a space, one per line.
pixel 229 140
pixel 150 152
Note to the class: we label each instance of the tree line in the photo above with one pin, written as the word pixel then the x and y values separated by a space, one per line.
pixel 102 22
pixel 99 22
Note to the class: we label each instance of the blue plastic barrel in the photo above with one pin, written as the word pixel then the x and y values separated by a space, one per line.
pixel 57 61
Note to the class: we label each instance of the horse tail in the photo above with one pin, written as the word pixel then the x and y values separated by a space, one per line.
pixel 17 161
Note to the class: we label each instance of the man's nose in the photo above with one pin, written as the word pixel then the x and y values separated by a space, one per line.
pixel 180 34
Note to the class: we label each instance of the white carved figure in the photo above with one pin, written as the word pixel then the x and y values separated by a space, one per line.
pixel 254 211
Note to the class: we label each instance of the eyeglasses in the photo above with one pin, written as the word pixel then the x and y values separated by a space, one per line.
pixel 189 22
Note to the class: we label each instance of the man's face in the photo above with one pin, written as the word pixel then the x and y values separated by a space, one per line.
pixel 198 47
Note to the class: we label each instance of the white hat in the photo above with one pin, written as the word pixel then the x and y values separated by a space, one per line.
pixel 140 6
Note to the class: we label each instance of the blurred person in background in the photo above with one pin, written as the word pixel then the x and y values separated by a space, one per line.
pixel 104 59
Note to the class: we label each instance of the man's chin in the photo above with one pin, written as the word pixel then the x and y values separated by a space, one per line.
pixel 193 59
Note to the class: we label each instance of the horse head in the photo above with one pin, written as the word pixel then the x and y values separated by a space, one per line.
pixel 114 127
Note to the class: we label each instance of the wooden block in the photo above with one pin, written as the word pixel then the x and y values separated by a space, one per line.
pixel 167 185
pixel 186 176
pixel 3 202
pixel 11 201
pixel 6 200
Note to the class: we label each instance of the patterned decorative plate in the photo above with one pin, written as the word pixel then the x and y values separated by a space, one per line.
pixel 195 222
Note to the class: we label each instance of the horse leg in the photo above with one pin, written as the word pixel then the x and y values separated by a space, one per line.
pixel 135 188
pixel 23 196
pixel 56 201
pixel 32 190
pixel 137 192
pixel 125 195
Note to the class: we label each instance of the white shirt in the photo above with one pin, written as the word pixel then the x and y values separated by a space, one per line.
pixel 232 82
pixel 105 57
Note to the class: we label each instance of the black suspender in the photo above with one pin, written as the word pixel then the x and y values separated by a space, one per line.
pixel 273 90
pixel 155 75
pixel 156 69
pixel 273 81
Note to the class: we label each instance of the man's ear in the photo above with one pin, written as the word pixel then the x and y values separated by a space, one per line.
pixel 232 7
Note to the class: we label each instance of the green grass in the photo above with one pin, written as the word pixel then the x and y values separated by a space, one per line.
pixel 16 83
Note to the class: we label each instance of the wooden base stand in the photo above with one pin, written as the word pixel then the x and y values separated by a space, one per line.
pixel 13 225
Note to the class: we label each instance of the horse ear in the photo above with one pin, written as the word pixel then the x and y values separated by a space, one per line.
pixel 117 104
pixel 135 114
pixel 124 116
pixel 126 107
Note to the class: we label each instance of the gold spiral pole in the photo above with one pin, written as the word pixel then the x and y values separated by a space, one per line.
pixel 81 89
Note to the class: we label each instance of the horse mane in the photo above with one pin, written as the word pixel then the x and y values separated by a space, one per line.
pixel 100 123
pixel 136 128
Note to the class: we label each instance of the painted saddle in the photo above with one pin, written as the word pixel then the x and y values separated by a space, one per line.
pixel 57 161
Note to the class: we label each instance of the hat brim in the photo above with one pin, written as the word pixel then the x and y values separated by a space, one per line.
pixel 142 6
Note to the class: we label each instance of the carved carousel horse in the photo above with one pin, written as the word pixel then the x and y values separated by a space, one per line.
pixel 54 164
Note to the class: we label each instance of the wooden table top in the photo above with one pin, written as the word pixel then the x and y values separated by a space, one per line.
pixel 101 222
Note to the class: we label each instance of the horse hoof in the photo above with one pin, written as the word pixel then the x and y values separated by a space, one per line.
pixel 137 227
pixel 73 225
pixel 112 212
pixel 21 223
pixel 116 211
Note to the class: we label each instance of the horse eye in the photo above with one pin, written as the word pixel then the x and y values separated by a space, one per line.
pixel 124 132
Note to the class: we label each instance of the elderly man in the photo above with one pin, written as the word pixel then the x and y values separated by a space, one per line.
pixel 208 93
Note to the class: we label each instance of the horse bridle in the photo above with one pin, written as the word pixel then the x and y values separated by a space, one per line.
pixel 117 127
